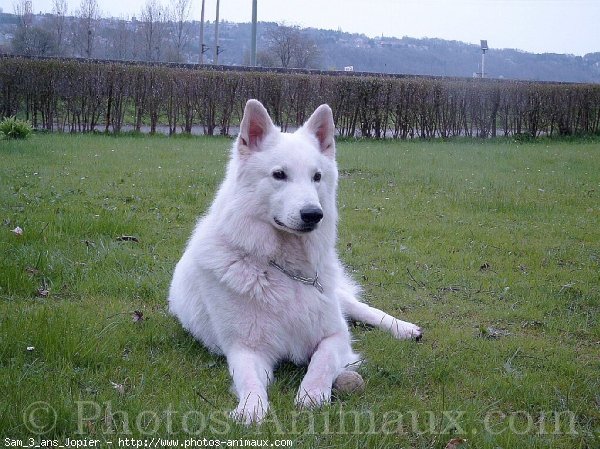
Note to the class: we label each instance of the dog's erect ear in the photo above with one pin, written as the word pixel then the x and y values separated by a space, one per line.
pixel 256 124
pixel 321 125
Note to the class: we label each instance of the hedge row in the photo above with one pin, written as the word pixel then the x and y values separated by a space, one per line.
pixel 80 96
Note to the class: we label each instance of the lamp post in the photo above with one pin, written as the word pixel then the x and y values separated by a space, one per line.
pixel 253 39
pixel 216 59
pixel 202 46
pixel 484 48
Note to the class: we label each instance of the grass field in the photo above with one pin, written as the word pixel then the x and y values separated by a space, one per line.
pixel 493 247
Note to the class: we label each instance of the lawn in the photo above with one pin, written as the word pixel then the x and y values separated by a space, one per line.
pixel 492 247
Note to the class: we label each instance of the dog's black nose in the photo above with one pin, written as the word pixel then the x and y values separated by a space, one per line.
pixel 311 214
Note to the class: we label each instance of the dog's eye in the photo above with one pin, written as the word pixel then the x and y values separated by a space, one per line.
pixel 279 175
pixel 317 177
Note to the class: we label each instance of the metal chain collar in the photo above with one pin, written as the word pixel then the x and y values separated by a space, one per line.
pixel 304 280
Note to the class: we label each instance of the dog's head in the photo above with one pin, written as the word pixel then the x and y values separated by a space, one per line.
pixel 292 177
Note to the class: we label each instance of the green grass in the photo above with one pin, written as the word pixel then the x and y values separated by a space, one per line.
pixel 493 247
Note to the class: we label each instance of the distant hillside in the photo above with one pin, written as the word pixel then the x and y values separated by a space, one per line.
pixel 453 58
pixel 425 56
pixel 118 39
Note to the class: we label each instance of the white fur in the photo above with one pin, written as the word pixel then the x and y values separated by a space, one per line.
pixel 228 296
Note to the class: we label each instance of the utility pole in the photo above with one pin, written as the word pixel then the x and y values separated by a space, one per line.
pixel 202 46
pixel 253 41
pixel 216 59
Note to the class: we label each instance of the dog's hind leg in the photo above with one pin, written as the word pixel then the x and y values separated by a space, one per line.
pixel 359 311
pixel 251 375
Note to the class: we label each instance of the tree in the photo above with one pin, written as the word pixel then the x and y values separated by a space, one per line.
pixel 292 48
pixel 33 41
pixel 22 9
pixel 306 53
pixel 30 40
pixel 119 41
pixel 88 15
pixel 180 35
pixel 59 13
pixel 281 42
pixel 264 58
pixel 153 18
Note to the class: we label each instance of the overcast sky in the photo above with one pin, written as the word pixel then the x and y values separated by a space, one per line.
pixel 539 26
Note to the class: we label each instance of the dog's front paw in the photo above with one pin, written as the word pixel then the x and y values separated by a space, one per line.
pixel 250 410
pixel 312 397
pixel 403 330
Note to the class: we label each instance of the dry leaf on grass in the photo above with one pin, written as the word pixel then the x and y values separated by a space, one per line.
pixel 128 238
pixel 43 291
pixel 492 333
pixel 32 271
pixel 566 287
pixel 455 443
pixel 119 387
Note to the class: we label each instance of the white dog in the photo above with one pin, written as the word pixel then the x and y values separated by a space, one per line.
pixel 260 280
